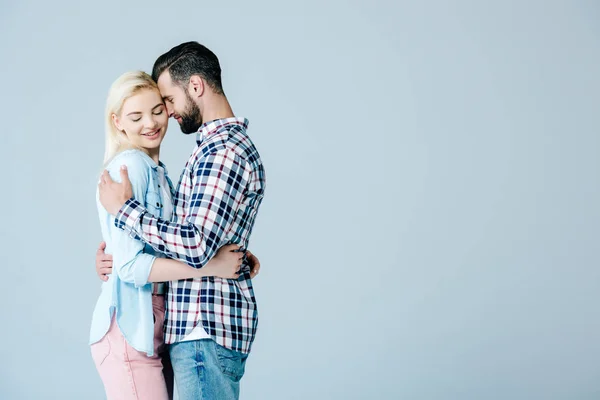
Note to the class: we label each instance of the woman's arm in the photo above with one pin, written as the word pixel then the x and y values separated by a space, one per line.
pixel 130 263
pixel 104 265
pixel 225 264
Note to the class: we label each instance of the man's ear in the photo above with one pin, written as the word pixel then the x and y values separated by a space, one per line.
pixel 196 86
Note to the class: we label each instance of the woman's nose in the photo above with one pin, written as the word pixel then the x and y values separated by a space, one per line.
pixel 151 122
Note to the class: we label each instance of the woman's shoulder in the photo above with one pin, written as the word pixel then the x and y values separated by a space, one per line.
pixel 137 162
pixel 132 158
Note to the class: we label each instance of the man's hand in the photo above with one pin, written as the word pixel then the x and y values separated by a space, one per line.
pixel 112 194
pixel 254 264
pixel 104 262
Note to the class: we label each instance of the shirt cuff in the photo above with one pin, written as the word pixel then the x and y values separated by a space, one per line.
pixel 142 269
pixel 129 214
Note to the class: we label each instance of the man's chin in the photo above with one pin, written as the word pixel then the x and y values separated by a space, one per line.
pixel 189 129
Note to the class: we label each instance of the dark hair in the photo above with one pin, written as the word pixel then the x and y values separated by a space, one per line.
pixel 187 59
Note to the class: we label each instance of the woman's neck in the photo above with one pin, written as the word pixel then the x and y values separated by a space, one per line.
pixel 153 154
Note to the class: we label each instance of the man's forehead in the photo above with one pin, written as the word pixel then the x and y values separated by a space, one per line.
pixel 165 84
pixel 164 92
pixel 164 78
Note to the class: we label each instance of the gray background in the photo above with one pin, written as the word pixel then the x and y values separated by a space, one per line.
pixel 431 225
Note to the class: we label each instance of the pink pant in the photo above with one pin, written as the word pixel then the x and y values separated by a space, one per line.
pixel 128 374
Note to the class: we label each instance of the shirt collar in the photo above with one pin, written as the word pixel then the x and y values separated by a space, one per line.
pixel 210 127
pixel 160 164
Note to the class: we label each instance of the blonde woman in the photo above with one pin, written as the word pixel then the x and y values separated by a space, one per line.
pixel 126 335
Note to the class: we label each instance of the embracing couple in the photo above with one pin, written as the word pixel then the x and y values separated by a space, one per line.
pixel 195 236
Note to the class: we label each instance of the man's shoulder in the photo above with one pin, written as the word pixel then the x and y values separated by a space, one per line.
pixel 232 139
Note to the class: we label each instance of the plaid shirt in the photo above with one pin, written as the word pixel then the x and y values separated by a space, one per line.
pixel 216 202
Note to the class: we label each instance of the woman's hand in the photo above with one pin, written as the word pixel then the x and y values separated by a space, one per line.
pixel 254 264
pixel 226 263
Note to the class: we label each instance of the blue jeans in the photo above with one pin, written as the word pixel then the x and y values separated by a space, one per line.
pixel 205 370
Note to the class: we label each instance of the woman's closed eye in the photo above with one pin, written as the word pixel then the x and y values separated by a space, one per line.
pixel 140 118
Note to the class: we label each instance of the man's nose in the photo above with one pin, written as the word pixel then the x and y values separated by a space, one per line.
pixel 170 110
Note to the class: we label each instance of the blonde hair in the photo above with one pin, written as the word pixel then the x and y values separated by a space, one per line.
pixel 127 85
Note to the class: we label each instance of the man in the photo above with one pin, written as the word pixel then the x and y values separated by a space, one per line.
pixel 211 322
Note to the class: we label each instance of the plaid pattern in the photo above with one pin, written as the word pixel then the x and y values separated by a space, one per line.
pixel 216 202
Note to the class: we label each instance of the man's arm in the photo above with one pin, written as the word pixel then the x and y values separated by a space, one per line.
pixel 218 189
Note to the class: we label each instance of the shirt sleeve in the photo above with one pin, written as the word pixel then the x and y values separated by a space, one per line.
pixel 218 188
pixel 130 263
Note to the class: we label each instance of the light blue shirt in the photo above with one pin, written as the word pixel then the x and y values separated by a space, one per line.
pixel 127 293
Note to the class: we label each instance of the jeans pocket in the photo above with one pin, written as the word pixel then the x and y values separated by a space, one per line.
pixel 232 363
pixel 100 350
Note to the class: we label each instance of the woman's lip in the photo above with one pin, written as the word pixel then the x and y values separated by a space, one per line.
pixel 151 133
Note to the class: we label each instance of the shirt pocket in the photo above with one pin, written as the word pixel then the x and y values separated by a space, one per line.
pixel 154 202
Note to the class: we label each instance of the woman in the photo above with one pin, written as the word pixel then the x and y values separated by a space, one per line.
pixel 126 335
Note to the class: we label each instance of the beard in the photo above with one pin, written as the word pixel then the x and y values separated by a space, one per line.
pixel 191 118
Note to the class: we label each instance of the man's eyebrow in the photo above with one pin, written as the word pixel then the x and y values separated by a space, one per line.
pixel 166 97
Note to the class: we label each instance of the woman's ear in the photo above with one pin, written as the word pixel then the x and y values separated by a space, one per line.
pixel 117 123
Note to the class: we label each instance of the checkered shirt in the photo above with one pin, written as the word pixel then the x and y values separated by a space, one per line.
pixel 216 202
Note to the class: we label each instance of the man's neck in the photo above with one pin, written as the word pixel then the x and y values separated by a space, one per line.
pixel 217 108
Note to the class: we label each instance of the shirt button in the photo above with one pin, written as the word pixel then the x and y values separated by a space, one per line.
pixel 157 205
